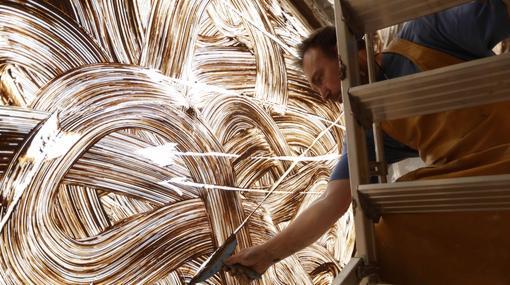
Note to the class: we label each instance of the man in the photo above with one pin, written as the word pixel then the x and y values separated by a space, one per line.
pixel 462 33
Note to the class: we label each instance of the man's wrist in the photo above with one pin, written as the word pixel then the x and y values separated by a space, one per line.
pixel 272 249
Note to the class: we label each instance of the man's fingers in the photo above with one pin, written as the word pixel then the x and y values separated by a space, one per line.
pixel 235 272
pixel 239 274
pixel 231 260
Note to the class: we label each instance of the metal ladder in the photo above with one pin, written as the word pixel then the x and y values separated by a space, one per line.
pixel 373 103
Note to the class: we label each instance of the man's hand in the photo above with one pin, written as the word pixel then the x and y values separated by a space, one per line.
pixel 257 258
pixel 306 228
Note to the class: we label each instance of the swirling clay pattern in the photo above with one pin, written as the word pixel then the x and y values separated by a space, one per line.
pixel 135 136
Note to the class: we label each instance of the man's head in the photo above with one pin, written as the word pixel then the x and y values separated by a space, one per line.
pixel 320 63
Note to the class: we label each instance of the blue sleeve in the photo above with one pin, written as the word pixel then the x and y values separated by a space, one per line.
pixel 468 31
pixel 341 170
pixel 393 152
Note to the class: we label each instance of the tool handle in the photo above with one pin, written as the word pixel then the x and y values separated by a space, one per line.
pixel 248 272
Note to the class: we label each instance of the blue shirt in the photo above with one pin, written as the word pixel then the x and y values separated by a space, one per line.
pixel 467 32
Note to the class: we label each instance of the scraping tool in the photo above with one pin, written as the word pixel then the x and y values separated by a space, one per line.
pixel 215 262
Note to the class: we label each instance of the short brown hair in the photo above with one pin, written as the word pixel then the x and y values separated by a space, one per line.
pixel 323 38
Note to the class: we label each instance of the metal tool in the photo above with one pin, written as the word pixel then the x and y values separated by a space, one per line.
pixel 216 261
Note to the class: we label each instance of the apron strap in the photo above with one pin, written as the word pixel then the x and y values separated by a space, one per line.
pixel 423 57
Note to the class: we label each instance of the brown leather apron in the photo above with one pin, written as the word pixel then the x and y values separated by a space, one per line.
pixel 448 248
pixel 456 143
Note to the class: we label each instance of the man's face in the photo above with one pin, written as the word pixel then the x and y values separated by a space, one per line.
pixel 323 73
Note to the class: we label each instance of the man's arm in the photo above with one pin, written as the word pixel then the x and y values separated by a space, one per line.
pixel 309 226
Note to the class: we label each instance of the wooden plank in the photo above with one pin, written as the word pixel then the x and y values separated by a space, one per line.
pixel 459 86
pixel 480 193
pixel 371 15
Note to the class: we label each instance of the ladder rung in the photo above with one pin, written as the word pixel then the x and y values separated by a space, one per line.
pixel 440 195
pixel 370 16
pixel 468 84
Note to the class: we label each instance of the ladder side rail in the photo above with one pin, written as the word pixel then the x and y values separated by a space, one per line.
pixel 349 274
pixel 380 164
pixel 356 143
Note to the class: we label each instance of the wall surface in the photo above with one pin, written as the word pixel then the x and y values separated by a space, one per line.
pixel 136 136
